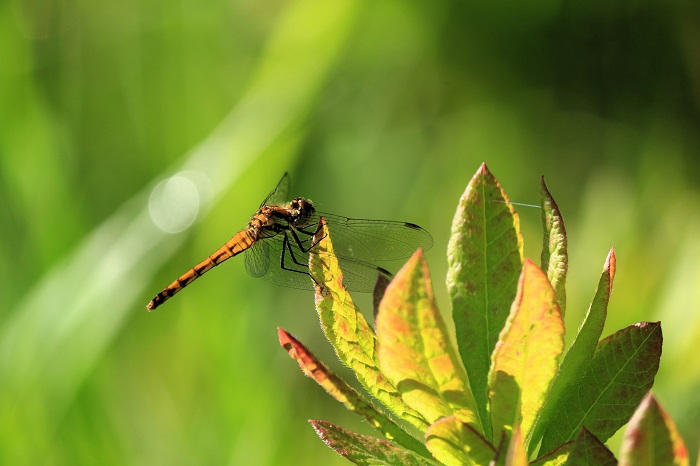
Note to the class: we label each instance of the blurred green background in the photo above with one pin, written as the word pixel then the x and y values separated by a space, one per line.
pixel 378 109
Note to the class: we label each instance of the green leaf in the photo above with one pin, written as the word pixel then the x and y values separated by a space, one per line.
pixel 347 330
pixel 485 258
pixel 583 348
pixel 526 358
pixel 555 258
pixel 652 438
pixel 587 450
pixel 365 449
pixel 453 442
pixel 610 387
pixel 415 352
pixel 347 395
pixel 557 457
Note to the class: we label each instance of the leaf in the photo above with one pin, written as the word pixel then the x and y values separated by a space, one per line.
pixel 342 392
pixel 555 258
pixel 415 352
pixel 453 442
pixel 587 450
pixel 365 449
pixel 485 257
pixel 612 384
pixel 526 357
pixel 347 330
pixel 512 454
pixel 583 348
pixel 517 453
pixel 556 457
pixel 652 438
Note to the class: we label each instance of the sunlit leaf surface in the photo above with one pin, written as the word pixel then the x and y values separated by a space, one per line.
pixel 455 443
pixel 347 330
pixel 485 258
pixel 415 352
pixel 526 358
pixel 555 257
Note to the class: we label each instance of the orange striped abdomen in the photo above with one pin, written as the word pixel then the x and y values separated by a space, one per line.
pixel 236 245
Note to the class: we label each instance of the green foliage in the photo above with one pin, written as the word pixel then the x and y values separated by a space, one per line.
pixel 527 403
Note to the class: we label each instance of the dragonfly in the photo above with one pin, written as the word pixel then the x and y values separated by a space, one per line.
pixel 279 237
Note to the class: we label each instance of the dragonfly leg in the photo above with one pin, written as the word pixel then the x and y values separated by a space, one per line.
pixel 287 247
pixel 299 242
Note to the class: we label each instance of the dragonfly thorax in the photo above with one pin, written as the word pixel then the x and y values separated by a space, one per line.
pixel 301 212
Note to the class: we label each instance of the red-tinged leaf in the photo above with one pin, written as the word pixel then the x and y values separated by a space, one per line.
pixel 555 258
pixel 347 395
pixel 556 457
pixel 583 348
pixel 415 352
pixel 365 449
pixel 587 450
pixel 485 258
pixel 347 330
pixel 526 357
pixel 453 442
pixel 610 387
pixel 652 438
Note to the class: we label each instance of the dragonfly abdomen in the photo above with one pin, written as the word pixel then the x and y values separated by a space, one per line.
pixel 236 245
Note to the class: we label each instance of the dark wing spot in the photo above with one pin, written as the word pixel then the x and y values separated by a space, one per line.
pixel 412 225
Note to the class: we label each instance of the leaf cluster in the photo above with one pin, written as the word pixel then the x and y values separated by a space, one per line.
pixel 508 394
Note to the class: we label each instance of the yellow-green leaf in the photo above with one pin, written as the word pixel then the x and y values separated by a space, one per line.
pixel 347 330
pixel 582 350
pixel 338 389
pixel 415 352
pixel 453 442
pixel 652 438
pixel 555 258
pixel 485 258
pixel 526 358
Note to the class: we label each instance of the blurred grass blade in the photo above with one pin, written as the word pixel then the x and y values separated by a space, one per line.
pixel 583 348
pixel 64 324
pixel 347 330
pixel 347 395
pixel 587 450
pixel 526 358
pixel 555 258
pixel 485 258
pixel 453 442
pixel 415 352
pixel 652 437
pixel 365 449
pixel 610 387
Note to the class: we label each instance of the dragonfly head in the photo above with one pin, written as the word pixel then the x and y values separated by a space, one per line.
pixel 303 211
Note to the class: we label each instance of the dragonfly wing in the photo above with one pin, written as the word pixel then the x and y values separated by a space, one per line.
pixel 264 260
pixel 375 240
pixel 280 194
pixel 257 259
